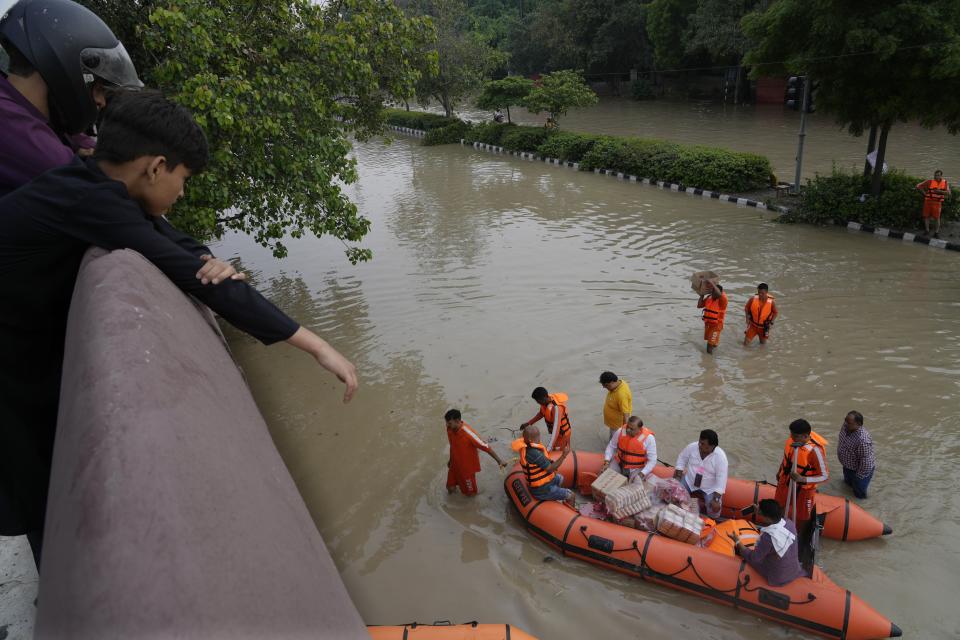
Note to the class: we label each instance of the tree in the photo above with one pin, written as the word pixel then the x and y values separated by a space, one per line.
pixel 544 41
pixel 277 86
pixel 667 27
pixel 501 94
pixel 876 63
pixel 558 92
pixel 463 58
pixel 715 29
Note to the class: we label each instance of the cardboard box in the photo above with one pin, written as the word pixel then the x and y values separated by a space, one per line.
pixel 678 524
pixel 697 281
pixel 627 500
pixel 606 482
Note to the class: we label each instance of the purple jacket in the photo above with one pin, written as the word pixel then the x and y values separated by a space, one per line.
pixel 28 145
pixel 764 559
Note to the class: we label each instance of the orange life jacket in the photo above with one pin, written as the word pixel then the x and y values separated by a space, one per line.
pixel 721 543
pixel 632 452
pixel 536 477
pixel 759 316
pixel 559 404
pixel 807 463
pixel 934 184
pixel 713 313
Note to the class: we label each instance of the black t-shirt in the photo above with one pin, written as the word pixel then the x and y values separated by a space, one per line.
pixel 45 228
pixel 47 225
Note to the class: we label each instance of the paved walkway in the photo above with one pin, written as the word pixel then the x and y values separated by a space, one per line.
pixel 18 589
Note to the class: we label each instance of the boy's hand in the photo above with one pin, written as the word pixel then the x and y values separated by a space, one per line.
pixel 328 358
pixel 331 360
pixel 216 271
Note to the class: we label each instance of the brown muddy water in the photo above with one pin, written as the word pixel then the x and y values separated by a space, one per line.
pixel 493 275
pixel 769 130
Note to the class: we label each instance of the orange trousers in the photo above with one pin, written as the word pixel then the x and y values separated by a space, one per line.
pixel 711 332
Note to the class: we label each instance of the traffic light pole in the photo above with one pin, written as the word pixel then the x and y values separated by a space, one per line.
pixel 802 134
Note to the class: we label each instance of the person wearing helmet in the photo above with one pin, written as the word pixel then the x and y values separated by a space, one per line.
pixel 61 59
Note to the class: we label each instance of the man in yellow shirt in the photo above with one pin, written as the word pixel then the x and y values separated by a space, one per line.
pixel 618 407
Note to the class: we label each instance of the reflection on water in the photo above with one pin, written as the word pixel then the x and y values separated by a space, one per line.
pixel 769 130
pixel 493 275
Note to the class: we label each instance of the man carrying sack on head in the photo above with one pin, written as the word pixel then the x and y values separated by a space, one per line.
pixel 713 301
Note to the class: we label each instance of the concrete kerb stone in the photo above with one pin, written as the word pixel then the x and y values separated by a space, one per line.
pixel 933 243
pixel 671 186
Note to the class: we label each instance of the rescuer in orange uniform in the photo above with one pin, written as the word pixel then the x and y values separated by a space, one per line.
pixel 934 193
pixel 714 305
pixel 553 410
pixel 632 450
pixel 541 472
pixel 464 462
pixel 804 466
pixel 761 311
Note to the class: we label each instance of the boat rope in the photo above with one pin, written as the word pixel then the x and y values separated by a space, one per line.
pixel 746 587
pixel 706 584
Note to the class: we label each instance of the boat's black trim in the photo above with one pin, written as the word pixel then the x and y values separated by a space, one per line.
pixel 846 517
pixel 644 571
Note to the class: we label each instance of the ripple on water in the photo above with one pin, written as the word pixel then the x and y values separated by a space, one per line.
pixel 493 275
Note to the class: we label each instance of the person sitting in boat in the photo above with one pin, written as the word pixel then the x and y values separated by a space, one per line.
pixel 632 451
pixel 545 483
pixel 702 469
pixel 775 555
pixel 553 410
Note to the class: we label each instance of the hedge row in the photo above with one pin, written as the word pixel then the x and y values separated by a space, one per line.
pixel 418 120
pixel 841 196
pixel 705 167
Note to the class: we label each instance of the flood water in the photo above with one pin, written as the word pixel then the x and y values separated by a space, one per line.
pixel 770 130
pixel 493 275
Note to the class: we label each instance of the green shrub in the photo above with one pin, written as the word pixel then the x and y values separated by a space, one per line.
pixel 488 132
pixel 524 138
pixel 718 169
pixel 705 167
pixel 417 119
pixel 839 196
pixel 567 146
pixel 450 134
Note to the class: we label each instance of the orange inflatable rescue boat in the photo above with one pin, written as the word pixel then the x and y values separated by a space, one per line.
pixel 845 520
pixel 447 631
pixel 814 604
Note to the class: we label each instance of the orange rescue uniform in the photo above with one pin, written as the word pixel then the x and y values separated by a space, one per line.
pixel 632 452
pixel 536 476
pixel 748 532
pixel 464 459
pixel 932 202
pixel 555 412
pixel 759 316
pixel 714 312
pixel 812 465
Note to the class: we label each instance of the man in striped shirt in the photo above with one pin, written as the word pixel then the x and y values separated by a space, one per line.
pixel 855 451
pixel 464 462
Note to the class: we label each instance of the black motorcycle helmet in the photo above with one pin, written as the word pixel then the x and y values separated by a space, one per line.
pixel 69 46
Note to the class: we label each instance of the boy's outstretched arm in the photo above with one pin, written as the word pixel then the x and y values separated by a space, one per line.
pixel 328 357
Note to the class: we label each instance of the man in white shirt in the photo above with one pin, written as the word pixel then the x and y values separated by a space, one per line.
pixel 702 468
pixel 632 450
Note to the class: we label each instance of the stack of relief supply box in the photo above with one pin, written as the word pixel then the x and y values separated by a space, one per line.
pixel 605 483
pixel 678 524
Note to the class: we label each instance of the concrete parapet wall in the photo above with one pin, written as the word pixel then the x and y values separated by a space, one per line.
pixel 171 514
